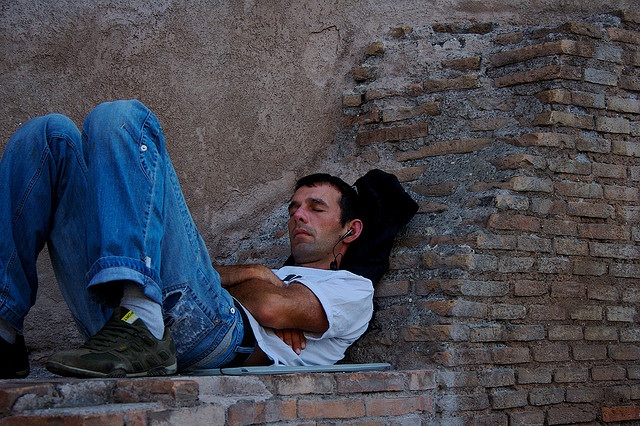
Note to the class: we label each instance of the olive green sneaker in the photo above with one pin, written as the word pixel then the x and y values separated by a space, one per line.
pixel 124 347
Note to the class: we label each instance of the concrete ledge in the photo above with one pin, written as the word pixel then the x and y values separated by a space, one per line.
pixel 370 397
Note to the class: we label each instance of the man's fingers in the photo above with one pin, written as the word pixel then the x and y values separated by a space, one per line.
pixel 293 338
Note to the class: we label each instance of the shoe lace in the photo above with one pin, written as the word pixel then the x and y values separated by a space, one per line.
pixel 114 334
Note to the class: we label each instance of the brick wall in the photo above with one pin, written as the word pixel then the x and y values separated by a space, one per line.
pixel 517 281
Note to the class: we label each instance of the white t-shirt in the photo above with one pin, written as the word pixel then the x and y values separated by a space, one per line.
pixel 347 300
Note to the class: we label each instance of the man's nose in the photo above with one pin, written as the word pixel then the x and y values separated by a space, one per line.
pixel 300 215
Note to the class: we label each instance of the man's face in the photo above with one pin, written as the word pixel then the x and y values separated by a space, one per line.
pixel 314 225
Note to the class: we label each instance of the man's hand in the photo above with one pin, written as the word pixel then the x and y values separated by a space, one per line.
pixel 293 337
pixel 232 275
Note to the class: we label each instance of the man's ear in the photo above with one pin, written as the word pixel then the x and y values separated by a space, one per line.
pixel 356 226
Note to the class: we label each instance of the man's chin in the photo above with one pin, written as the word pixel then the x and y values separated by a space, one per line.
pixel 302 256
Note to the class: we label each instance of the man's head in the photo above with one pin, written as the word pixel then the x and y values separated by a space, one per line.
pixel 323 220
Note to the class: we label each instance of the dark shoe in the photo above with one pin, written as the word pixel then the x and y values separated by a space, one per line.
pixel 14 360
pixel 124 347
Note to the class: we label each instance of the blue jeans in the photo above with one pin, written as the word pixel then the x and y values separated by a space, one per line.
pixel 108 204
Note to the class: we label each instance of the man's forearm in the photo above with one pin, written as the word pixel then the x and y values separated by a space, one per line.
pixel 231 276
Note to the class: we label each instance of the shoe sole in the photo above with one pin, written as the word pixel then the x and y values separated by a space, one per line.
pixel 15 375
pixel 67 371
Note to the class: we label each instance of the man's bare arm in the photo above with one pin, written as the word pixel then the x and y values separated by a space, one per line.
pixel 277 306
pixel 233 275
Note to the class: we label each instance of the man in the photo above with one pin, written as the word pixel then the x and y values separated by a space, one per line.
pixel 333 307
pixel 135 272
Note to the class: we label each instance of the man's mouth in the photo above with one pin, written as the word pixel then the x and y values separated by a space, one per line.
pixel 301 232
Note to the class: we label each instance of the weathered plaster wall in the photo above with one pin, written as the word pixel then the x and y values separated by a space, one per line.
pixel 248 92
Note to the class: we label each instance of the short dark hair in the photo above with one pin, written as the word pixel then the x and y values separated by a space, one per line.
pixel 349 205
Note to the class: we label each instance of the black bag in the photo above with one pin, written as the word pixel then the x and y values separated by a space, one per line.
pixel 386 207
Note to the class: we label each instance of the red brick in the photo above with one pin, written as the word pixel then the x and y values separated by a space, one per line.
pixel 458 83
pixel 587 313
pixel 595 210
pixel 521 418
pixel 374 49
pixel 526 288
pixel 530 184
pixel 590 267
pixel 514 222
pixel 593 144
pixel 392 134
pixel 551 72
pixel 630 82
pixel 546 396
pixel 567 47
pixel 624 352
pixel 252 412
pixel 351 100
pixel 373 94
pixel 620 414
pixel 457 308
pixel 378 407
pixel 372 116
pixel 458 357
pixel 626 148
pixel 577 414
pixel 77 419
pixel 600 76
pixel 613 125
pixel 545 312
pixel 502 399
pixel 559 227
pixel 510 355
pixel 616 251
pixel 601 333
pixel 457 402
pixel 331 409
pixel 459 146
pixel 608 373
pixel 436 333
pixel 550 352
pixel 515 264
pixel 625 36
pixel 169 391
pixel 370 382
pixel 579 189
pixel 580 28
pixel 553 118
pixel 565 332
pixel 363 73
pixel 421 380
pixel 463 64
pixel 439 190
pixel 604 231
pixel 389 289
pixel 536 375
pixel 520 161
pixel 622 193
pixel 625 270
pixel 292 384
pixel 558 140
pixel 488 333
pixel 563 165
pixel 11 392
pixel 571 246
pixel 589 352
pixel 623 104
